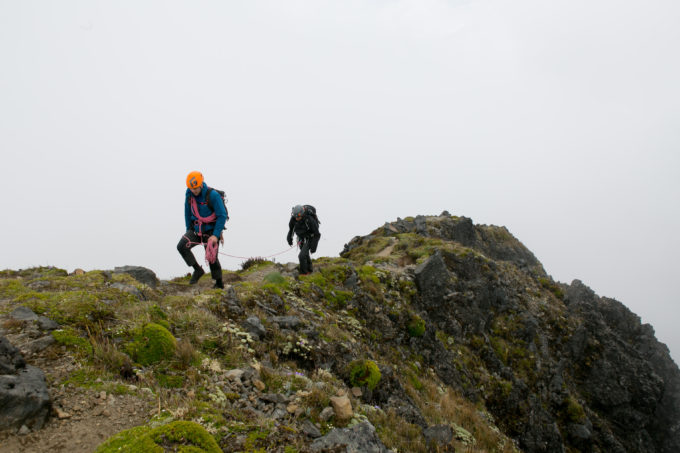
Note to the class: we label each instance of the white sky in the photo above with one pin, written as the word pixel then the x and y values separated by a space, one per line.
pixel 558 119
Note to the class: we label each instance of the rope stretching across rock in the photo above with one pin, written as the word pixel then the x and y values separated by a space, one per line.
pixel 211 247
pixel 211 251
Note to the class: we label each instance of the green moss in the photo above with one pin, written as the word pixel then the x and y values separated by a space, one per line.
pixel 368 274
pixel 34 272
pixel 575 411
pixel 364 373
pixel 338 298
pixel 368 249
pixel 179 436
pixel 253 438
pixel 416 326
pixel 84 308
pixel 170 380
pixel 336 274
pixel 84 377
pixel 72 340
pixel 12 288
pixel 153 344
pixel 407 289
pixel 157 313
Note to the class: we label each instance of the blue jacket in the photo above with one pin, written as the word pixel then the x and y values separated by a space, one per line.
pixel 203 209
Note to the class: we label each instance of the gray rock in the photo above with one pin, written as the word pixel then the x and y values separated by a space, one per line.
pixel 39 284
pixel 326 414
pixel 310 429
pixel 141 274
pixel 230 301
pixel 38 345
pixel 287 322
pixel 23 314
pixel 11 360
pixel 275 398
pixel 254 327
pixel 24 399
pixel 47 324
pixel 438 434
pixel 433 278
pixel 128 289
pixel 266 308
pixel 279 413
pixel 360 438
pixel 352 282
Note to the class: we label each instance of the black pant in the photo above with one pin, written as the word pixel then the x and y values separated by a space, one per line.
pixel 303 256
pixel 184 249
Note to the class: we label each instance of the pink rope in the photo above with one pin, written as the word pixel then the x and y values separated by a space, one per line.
pixel 201 220
pixel 211 251
pixel 248 257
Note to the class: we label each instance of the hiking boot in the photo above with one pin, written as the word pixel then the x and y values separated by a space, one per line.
pixel 219 284
pixel 198 273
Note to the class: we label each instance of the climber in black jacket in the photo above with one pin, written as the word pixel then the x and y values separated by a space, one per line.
pixel 305 224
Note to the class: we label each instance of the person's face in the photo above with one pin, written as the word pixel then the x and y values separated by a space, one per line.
pixel 196 191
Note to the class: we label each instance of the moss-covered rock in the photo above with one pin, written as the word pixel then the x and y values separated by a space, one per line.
pixel 153 344
pixel 364 373
pixel 179 436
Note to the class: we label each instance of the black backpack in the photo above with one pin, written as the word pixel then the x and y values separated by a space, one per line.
pixel 223 196
pixel 311 211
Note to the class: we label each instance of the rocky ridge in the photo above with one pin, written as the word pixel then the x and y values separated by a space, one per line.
pixel 429 333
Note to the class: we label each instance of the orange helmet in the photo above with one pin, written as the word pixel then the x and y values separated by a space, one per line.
pixel 194 180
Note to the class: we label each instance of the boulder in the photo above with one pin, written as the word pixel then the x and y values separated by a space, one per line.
pixel 23 314
pixel 360 438
pixel 24 400
pixel 342 407
pixel 254 327
pixel 287 322
pixel 433 278
pixel 141 274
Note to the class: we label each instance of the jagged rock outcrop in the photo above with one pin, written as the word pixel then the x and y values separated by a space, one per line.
pixel 572 369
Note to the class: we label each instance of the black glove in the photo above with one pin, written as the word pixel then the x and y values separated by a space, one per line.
pixel 289 238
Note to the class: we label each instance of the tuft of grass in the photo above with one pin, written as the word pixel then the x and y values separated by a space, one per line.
pixel 106 356
pixel 254 262
pixel 186 354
